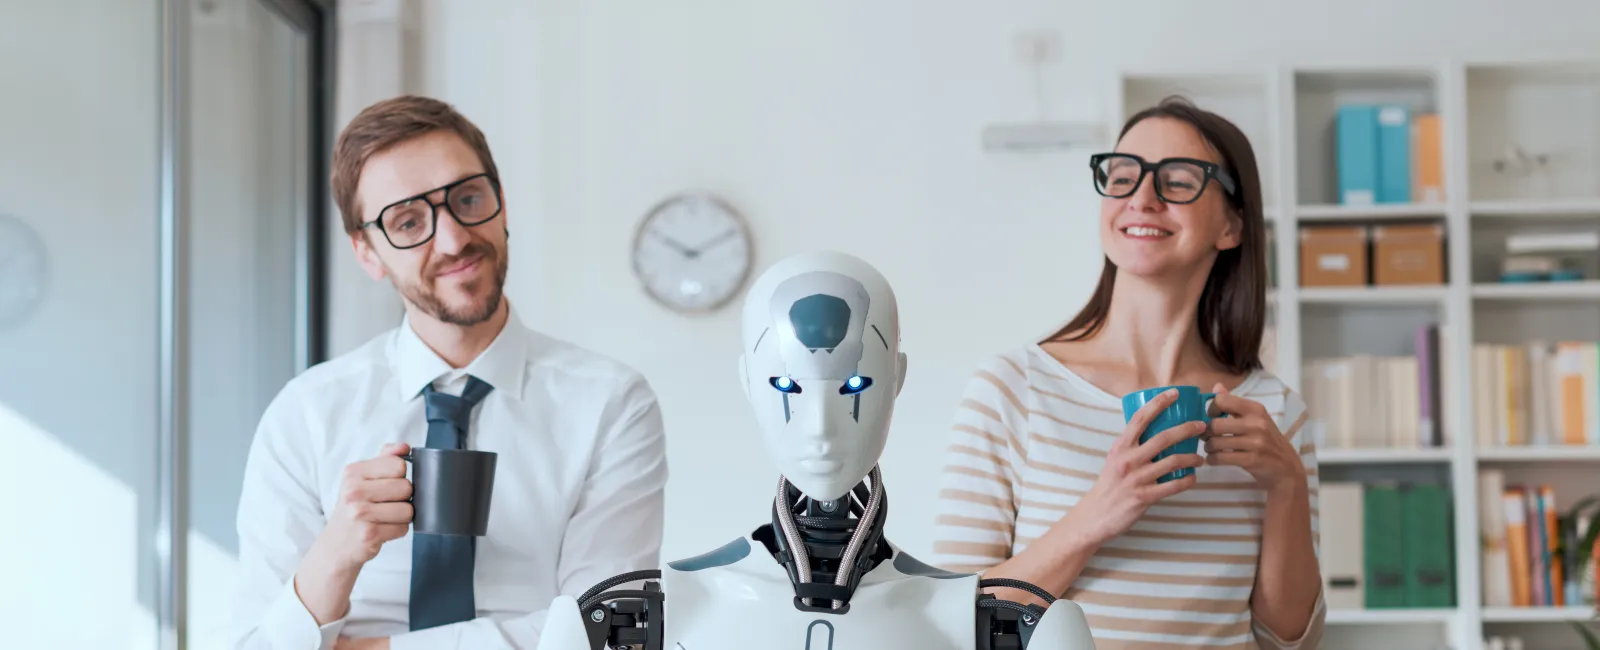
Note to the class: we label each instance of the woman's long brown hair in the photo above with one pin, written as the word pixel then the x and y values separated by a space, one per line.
pixel 1233 305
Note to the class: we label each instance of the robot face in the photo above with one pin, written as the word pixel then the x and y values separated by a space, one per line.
pixel 822 368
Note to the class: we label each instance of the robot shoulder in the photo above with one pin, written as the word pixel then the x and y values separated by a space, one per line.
pixel 728 554
pixel 906 564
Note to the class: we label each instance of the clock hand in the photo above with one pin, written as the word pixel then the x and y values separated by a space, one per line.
pixel 672 243
pixel 718 239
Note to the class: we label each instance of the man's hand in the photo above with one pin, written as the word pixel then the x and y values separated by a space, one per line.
pixel 372 510
pixel 374 643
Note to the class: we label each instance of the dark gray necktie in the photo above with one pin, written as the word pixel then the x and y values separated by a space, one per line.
pixel 441 565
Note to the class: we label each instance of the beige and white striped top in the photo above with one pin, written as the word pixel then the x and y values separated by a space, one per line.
pixel 1030 438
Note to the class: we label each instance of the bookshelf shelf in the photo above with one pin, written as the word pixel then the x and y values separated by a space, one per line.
pixel 1372 295
pixel 1582 208
pixel 1537 614
pixel 1542 453
pixel 1390 616
pixel 1381 456
pixel 1373 212
pixel 1581 290
pixel 1518 161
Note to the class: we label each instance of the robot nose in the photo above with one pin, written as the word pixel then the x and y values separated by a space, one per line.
pixel 813 417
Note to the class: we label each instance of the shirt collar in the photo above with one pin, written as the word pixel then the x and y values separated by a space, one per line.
pixel 502 364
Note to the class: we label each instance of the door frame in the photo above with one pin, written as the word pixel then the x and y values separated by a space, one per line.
pixel 316 19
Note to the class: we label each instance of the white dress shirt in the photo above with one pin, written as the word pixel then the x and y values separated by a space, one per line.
pixel 578 489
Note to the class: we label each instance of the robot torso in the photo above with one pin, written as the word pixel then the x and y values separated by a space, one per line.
pixel 738 597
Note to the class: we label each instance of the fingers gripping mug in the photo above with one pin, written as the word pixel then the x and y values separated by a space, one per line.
pixel 1191 406
pixel 450 490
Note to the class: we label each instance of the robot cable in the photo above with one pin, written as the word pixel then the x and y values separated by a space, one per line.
pixel 647 574
pixel 864 525
pixel 1029 587
pixel 791 534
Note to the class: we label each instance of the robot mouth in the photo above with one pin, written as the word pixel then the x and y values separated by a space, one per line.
pixel 820 465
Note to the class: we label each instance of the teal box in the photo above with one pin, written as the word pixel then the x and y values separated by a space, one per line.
pixel 1356 151
pixel 1394 154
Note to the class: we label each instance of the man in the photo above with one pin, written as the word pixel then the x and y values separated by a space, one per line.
pixel 327 555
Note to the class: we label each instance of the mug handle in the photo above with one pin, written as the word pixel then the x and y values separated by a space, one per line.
pixel 1208 399
pixel 409 458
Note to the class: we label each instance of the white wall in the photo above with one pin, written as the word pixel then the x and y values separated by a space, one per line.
pixel 852 125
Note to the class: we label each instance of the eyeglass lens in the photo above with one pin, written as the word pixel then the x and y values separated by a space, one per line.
pixel 1176 181
pixel 410 223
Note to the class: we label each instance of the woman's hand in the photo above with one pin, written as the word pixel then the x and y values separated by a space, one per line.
pixel 1127 484
pixel 1248 438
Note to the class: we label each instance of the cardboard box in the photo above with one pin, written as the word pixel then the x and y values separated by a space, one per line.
pixel 1408 254
pixel 1333 256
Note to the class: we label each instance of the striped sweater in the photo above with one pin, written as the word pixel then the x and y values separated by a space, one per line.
pixel 1029 439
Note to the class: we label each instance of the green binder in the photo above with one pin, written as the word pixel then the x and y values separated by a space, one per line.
pixel 1383 535
pixel 1428 547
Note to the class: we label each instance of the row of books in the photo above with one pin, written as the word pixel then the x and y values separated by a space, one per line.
pixel 1387 153
pixel 1385 545
pixel 1537 393
pixel 1370 401
pixel 1531 552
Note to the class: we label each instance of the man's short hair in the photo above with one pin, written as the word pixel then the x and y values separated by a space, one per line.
pixel 384 125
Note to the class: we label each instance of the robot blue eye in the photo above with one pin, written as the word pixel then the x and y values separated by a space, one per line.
pixel 855 384
pixel 784 384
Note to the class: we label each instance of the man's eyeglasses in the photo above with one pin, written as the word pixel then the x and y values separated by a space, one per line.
pixel 1178 180
pixel 411 222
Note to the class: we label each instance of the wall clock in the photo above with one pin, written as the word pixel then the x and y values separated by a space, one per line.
pixel 22 270
pixel 692 252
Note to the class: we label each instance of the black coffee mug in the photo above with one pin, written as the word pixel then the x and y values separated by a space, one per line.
pixel 450 490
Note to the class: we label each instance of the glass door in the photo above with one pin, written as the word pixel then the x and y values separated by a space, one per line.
pixel 254 222
pixel 163 213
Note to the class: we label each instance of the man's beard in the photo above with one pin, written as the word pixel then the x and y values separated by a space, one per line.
pixel 423 295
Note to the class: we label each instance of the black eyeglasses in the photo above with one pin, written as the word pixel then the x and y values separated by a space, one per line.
pixel 1178 180
pixel 411 222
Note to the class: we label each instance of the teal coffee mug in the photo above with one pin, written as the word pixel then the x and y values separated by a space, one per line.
pixel 1191 406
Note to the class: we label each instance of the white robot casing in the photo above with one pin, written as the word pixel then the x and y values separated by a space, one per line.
pixel 821 367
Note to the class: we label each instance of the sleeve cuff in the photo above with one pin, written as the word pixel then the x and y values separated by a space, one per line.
pixel 289 621
pixel 1311 639
pixel 433 638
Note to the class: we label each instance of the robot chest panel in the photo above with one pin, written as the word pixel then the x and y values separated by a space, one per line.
pixel 729 610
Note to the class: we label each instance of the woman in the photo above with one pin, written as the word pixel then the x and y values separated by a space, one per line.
pixel 1045 481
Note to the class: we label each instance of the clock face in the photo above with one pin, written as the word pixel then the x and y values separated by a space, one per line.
pixel 21 270
pixel 692 253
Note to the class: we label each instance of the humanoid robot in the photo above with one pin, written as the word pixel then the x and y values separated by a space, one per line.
pixel 821 366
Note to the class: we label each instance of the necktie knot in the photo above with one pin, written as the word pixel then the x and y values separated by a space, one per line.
pixel 452 410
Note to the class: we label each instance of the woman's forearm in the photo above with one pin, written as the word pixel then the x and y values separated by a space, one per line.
pixel 1288 578
pixel 1051 562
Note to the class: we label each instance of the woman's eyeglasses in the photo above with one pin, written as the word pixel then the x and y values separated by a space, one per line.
pixel 1178 180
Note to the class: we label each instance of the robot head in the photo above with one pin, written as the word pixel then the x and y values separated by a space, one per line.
pixel 821 366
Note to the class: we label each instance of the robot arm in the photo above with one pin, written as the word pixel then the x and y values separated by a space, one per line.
pixel 1007 625
pixel 621 618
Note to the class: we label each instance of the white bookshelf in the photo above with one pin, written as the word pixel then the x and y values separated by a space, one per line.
pixel 1488 109
pixel 1536 614
pixel 1378 456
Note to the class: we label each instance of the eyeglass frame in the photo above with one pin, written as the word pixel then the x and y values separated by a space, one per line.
pixel 433 208
pixel 1213 171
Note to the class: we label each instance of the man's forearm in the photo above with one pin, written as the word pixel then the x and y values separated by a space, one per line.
pixel 324 584
pixel 1288 578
